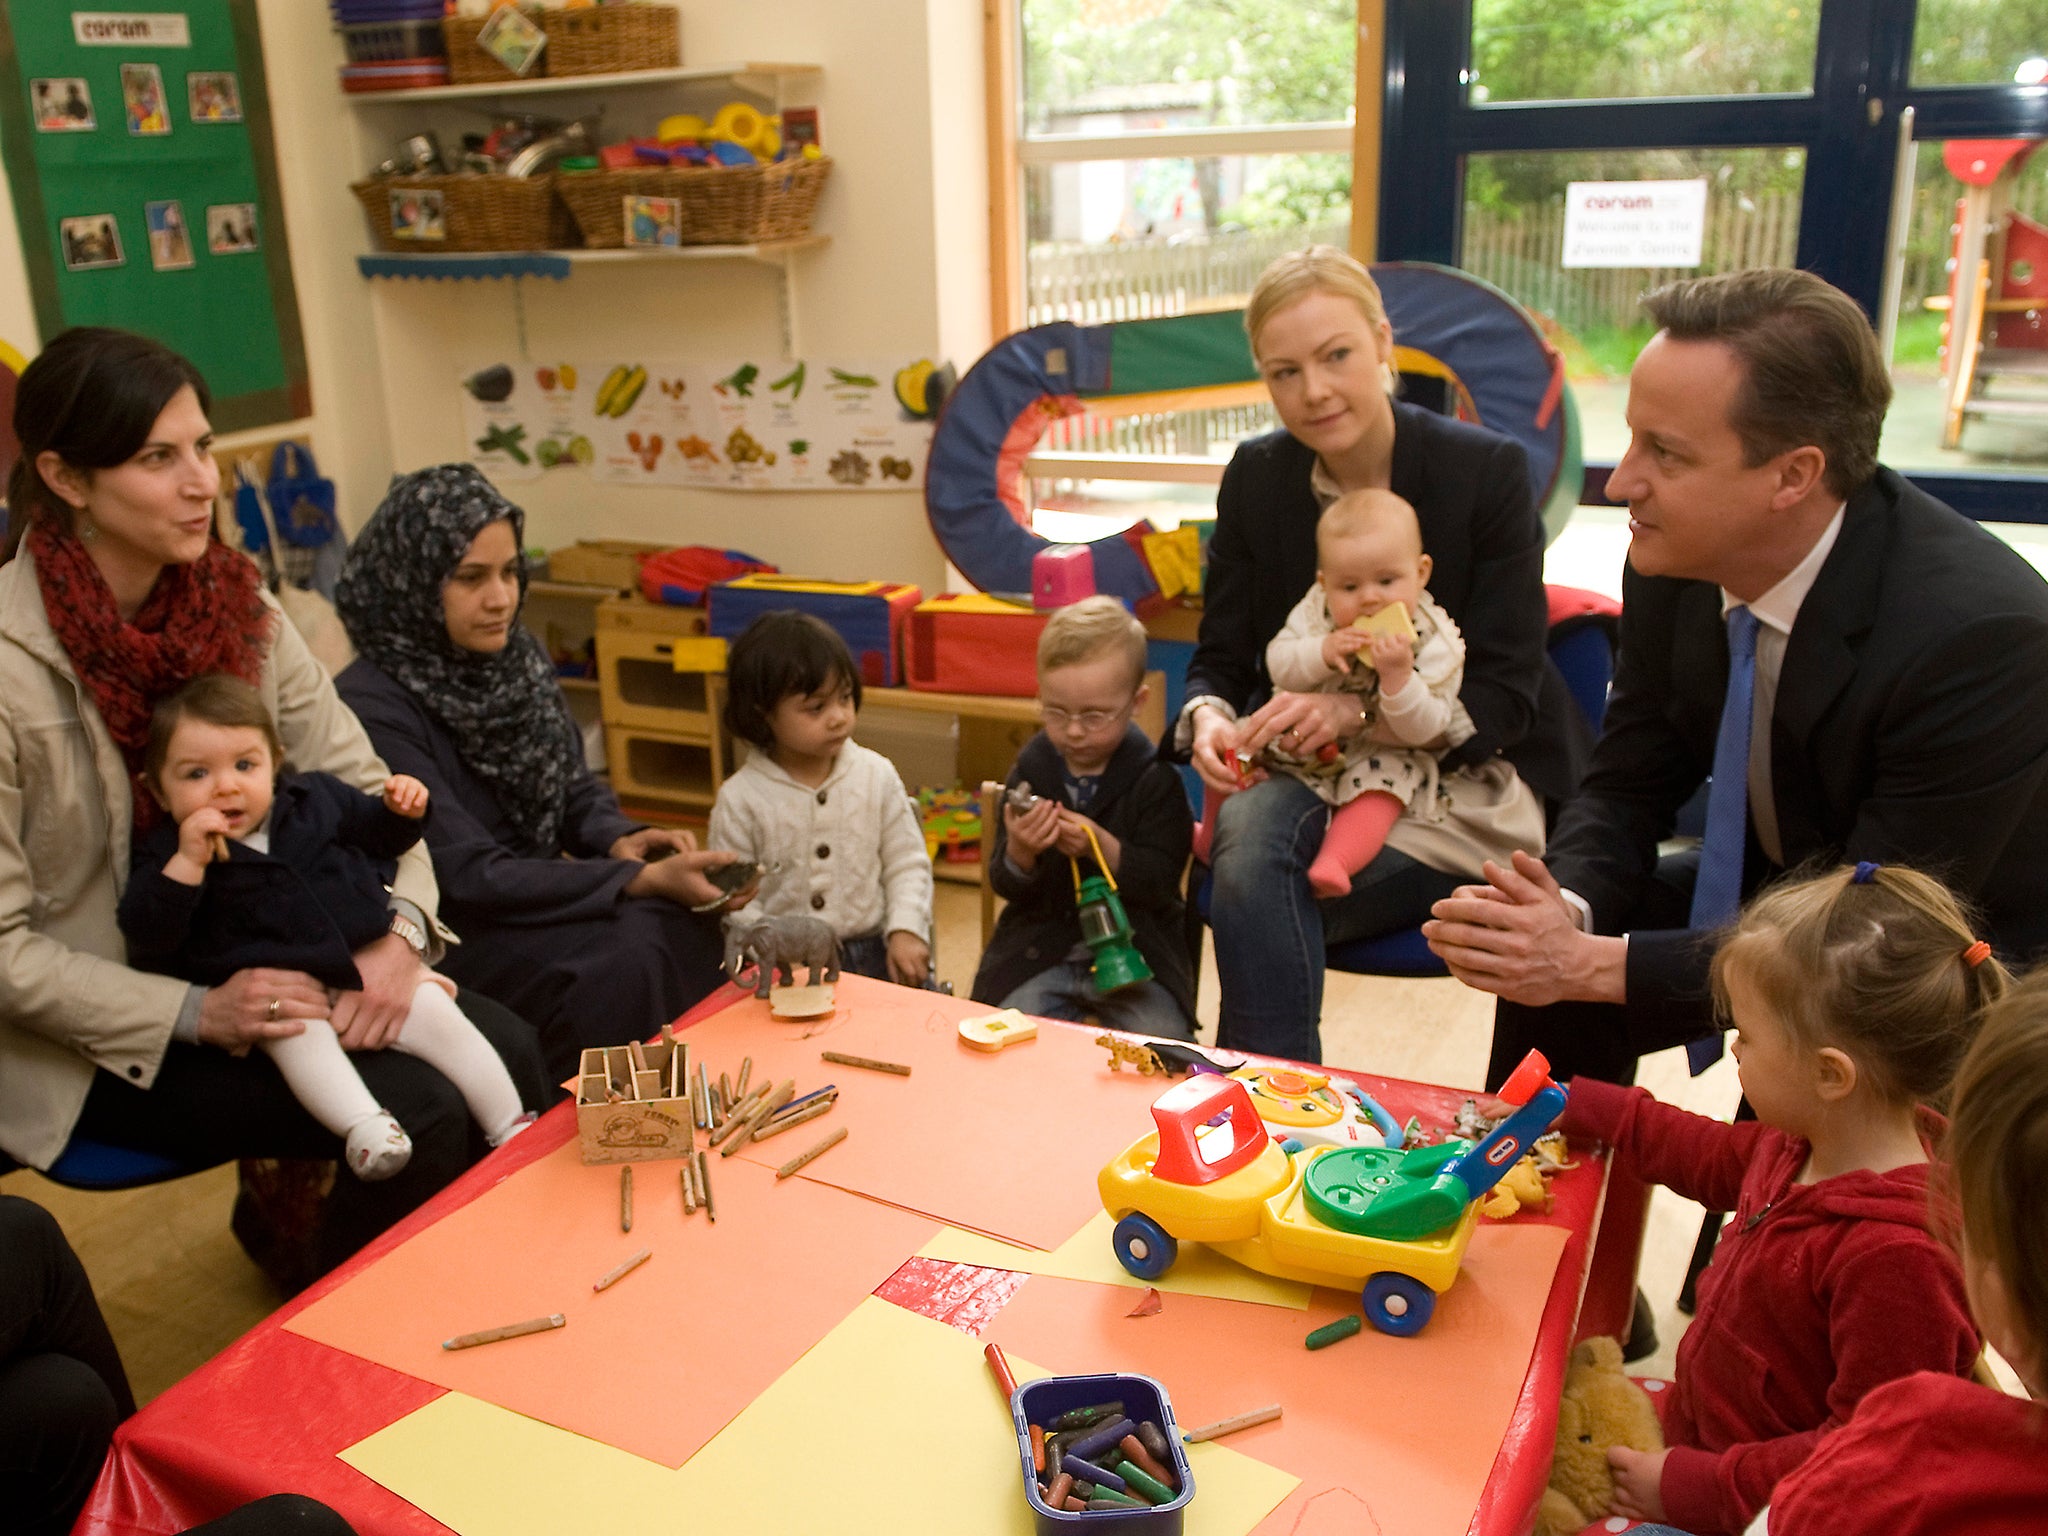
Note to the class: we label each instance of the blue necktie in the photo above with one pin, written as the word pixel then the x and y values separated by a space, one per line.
pixel 1717 893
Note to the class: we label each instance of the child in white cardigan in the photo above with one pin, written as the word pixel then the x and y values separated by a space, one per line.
pixel 828 820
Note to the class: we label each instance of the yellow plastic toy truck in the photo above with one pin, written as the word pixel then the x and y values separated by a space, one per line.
pixel 1395 1222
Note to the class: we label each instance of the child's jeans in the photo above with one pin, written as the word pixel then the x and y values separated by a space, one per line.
pixel 1067 991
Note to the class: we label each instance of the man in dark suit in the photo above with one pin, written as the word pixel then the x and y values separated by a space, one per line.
pixel 1897 702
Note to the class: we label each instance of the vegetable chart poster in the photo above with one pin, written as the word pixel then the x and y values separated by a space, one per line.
pixel 749 426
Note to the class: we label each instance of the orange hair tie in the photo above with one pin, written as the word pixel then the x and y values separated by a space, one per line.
pixel 1977 954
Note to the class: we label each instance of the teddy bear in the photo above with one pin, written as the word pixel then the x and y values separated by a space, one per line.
pixel 1601 1407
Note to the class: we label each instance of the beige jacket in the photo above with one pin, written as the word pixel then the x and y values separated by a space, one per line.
pixel 68 1002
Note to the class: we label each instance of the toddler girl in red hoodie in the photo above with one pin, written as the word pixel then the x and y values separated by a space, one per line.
pixel 1853 995
pixel 1930 1454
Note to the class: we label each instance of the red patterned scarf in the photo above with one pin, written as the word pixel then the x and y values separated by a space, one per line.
pixel 199 618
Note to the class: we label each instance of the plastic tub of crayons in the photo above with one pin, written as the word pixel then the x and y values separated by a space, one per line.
pixel 1140 1505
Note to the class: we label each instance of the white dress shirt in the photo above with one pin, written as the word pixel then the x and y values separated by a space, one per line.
pixel 1776 612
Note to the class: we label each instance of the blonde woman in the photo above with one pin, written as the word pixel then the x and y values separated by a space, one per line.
pixel 1319 332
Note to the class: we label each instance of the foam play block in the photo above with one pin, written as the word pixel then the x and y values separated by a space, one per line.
pixel 966 642
pixel 870 616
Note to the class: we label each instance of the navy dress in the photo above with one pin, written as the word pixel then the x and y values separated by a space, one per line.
pixel 555 938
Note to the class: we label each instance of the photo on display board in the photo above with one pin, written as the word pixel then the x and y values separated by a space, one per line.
pixel 89 242
pixel 62 106
pixel 655 221
pixel 230 228
pixel 142 100
pixel 214 97
pixel 418 213
pixel 170 240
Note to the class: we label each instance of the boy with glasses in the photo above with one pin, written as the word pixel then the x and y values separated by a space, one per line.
pixel 1090 771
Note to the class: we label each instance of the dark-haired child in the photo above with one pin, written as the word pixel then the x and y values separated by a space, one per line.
pixel 1853 995
pixel 258 867
pixel 1091 770
pixel 828 820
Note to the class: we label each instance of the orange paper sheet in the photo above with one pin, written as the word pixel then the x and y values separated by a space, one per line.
pixel 661 1361
pixel 1394 1435
pixel 1005 1142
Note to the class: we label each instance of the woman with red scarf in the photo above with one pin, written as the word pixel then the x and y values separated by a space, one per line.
pixel 114 593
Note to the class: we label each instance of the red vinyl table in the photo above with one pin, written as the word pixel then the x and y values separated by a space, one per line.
pixel 270 1413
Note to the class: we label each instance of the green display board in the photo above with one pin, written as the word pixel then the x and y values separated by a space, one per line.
pixel 145 188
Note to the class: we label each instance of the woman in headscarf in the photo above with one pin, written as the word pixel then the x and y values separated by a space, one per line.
pixel 597 947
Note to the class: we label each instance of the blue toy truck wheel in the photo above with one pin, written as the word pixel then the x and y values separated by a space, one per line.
pixel 1143 1246
pixel 1396 1304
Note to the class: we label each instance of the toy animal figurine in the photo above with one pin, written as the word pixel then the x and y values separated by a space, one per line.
pixel 1520 1189
pixel 775 946
pixel 1550 1153
pixel 1143 1057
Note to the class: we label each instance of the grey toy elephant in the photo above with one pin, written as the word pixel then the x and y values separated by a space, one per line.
pixel 780 944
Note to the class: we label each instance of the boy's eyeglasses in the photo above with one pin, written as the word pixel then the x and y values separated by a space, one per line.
pixel 1088 719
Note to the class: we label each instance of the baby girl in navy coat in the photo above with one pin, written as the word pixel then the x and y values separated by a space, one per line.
pixel 257 867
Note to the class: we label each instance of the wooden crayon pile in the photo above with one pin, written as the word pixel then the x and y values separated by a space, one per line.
pixel 639 1103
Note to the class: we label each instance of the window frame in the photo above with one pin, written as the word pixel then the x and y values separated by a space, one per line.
pixel 1848 126
pixel 1011 149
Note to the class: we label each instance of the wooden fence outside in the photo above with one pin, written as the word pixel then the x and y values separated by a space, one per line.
pixel 1144 279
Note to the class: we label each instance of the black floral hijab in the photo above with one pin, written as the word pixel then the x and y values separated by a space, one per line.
pixel 506 711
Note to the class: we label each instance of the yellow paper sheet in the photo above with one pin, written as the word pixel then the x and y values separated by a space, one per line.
pixel 802 1457
pixel 1087 1256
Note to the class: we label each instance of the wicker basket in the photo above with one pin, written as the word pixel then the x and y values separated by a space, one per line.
pixel 478 213
pixel 603 40
pixel 721 205
pixel 595 40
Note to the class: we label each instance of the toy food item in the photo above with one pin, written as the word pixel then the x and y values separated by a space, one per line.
pixel 621 387
pixel 1601 1407
pixel 1390 620
pixel 490 385
pixel 682 126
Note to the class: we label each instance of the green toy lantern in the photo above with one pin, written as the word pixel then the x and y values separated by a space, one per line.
pixel 1106 928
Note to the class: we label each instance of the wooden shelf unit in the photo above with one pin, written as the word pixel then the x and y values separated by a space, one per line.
pixel 664 739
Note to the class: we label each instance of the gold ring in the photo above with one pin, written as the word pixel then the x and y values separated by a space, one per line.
pixel 273 1010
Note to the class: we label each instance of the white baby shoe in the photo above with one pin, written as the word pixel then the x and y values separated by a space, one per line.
pixel 377 1148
